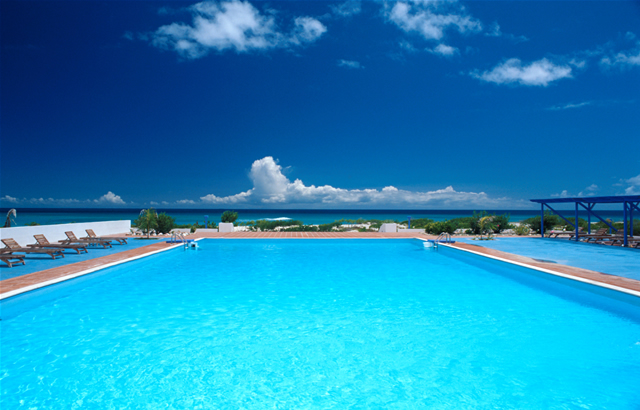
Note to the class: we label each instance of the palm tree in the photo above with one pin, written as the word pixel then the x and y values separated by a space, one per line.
pixel 7 222
pixel 486 225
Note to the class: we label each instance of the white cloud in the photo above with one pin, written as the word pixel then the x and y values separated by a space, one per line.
pixel 232 25
pixel 431 19
pixel 10 199
pixel 624 59
pixel 495 31
pixel 538 73
pixel 111 198
pixel 108 198
pixel 272 187
pixel 570 105
pixel 589 191
pixel 349 64
pixel 185 201
pixel 444 50
pixel 307 30
pixel 563 194
pixel 348 8
pixel 634 186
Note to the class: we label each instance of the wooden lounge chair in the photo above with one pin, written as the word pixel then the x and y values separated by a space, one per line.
pixel 555 234
pixel 11 259
pixel 600 233
pixel 71 238
pixel 44 243
pixel 13 246
pixel 92 235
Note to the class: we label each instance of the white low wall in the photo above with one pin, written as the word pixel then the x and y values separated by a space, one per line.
pixel 388 228
pixel 24 234
pixel 225 227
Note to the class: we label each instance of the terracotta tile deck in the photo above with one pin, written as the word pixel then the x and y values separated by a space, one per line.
pixel 25 283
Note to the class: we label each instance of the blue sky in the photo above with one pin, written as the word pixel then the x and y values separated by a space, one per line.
pixel 302 104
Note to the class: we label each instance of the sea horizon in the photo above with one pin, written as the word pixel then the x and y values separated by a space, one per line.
pixel 52 216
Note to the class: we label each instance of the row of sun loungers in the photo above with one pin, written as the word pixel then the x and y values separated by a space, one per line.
pixel 43 246
pixel 601 236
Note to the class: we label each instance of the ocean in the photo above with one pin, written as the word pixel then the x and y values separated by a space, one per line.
pixel 50 216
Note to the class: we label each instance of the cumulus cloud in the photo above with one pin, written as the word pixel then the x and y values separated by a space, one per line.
pixel 111 198
pixel 444 50
pixel 634 186
pixel 430 19
pixel 347 9
pixel 232 25
pixel 537 73
pixel 349 64
pixel 272 187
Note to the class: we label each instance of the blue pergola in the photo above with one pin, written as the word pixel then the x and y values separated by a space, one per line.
pixel 629 204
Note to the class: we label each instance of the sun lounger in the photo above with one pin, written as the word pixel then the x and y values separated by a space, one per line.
pixel 600 233
pixel 11 259
pixel 555 234
pixel 92 235
pixel 72 238
pixel 13 246
pixel 44 243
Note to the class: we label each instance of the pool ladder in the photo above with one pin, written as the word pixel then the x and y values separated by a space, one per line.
pixel 179 236
pixel 443 237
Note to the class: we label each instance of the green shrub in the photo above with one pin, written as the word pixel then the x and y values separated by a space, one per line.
pixel 436 228
pixel 420 223
pixel 522 229
pixel 582 223
pixel 264 225
pixel 165 223
pixel 500 223
pixel 32 224
pixel 229 216
pixel 549 222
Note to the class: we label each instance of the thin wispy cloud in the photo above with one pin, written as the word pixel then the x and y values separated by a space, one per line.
pixel 495 31
pixel 349 64
pixel 233 25
pixel 538 73
pixel 107 199
pixel 570 106
pixel 272 188
pixel 623 60
pixel 347 9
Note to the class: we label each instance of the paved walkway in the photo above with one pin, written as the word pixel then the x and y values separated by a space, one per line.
pixel 25 283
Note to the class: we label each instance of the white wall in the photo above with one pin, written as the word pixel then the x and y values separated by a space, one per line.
pixel 225 227
pixel 24 234
pixel 388 228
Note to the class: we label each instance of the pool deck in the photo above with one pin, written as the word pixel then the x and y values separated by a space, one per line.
pixel 14 286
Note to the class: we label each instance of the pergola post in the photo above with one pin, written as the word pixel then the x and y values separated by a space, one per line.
pixel 542 220
pixel 576 225
pixel 625 229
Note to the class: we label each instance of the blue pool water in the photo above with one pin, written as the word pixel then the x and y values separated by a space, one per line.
pixel 35 262
pixel 320 324
pixel 600 258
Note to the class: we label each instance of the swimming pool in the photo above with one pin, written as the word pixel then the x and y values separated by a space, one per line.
pixel 600 258
pixel 320 324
